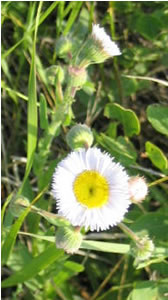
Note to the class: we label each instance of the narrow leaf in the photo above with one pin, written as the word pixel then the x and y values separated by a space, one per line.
pixel 41 262
pixel 11 237
pixel 73 16
pixel 43 113
pixel 106 247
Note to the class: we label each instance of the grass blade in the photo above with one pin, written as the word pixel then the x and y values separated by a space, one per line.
pixel 32 107
pixel 42 18
pixel 11 237
pixel 72 17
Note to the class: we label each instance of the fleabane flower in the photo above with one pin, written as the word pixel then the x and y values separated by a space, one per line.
pixel 97 48
pixel 91 190
pixel 105 42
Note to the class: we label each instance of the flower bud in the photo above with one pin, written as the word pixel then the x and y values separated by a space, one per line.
pixel 18 204
pixel 77 76
pixel 69 239
pixel 143 249
pixel 138 189
pixel 79 136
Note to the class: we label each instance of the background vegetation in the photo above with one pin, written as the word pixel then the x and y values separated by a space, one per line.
pixel 125 102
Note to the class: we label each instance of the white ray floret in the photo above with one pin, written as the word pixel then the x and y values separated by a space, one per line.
pixel 91 190
pixel 105 41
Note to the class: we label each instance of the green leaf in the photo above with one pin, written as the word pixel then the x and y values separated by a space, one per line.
pixel 148 26
pixel 69 269
pixel 73 16
pixel 121 149
pixel 156 156
pixel 11 237
pixel 4 208
pixel 155 224
pixel 32 107
pixel 158 116
pixel 127 118
pixel 42 18
pixel 37 264
pixel 144 290
pixel 50 239
pixel 43 113
pixel 105 247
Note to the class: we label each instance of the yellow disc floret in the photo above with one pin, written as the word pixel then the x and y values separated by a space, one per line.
pixel 91 189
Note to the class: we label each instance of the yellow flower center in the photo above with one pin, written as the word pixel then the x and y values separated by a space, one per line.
pixel 91 189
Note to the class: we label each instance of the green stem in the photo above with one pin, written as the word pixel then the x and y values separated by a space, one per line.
pixel 158 181
pixel 129 232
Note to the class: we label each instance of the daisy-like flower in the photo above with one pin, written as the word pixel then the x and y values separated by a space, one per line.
pixel 97 48
pixel 91 189
pixel 107 45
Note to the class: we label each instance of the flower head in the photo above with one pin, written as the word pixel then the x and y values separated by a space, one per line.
pixel 143 250
pixel 105 41
pixel 91 189
pixel 79 136
pixel 97 48
pixel 69 239
pixel 138 189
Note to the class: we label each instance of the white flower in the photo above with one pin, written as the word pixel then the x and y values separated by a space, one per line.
pixel 105 41
pixel 91 190
pixel 138 189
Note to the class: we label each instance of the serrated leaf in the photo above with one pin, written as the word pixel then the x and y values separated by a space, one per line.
pixel 158 116
pixel 127 118
pixel 156 156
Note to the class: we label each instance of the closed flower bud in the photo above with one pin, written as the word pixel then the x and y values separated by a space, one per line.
pixel 79 136
pixel 17 205
pixel 77 76
pixel 143 249
pixel 138 189
pixel 69 239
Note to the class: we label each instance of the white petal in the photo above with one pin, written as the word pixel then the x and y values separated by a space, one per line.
pixel 109 46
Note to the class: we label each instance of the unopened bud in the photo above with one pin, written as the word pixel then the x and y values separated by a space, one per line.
pixel 143 249
pixel 69 239
pixel 18 204
pixel 79 136
pixel 77 76
pixel 138 189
